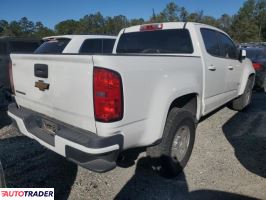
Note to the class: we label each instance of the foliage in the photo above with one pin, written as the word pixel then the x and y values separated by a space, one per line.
pixel 248 24
pixel 66 27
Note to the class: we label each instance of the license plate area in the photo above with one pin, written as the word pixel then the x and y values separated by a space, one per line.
pixel 49 126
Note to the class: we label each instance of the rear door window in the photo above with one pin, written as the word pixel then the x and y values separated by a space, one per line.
pixel 211 41
pixel 91 46
pixel 97 46
pixel 108 45
pixel 3 49
pixel 23 46
pixel 176 41
pixel 53 46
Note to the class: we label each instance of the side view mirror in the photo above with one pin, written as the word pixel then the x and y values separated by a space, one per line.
pixel 243 54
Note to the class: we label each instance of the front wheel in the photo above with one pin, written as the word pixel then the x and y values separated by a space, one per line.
pixel 244 100
pixel 177 142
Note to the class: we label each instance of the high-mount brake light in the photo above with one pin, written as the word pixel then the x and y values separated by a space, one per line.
pixel 107 95
pixel 151 27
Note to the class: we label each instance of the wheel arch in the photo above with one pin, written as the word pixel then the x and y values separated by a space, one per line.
pixel 189 102
pixel 248 72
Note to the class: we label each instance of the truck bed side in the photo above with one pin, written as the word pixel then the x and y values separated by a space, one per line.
pixel 150 85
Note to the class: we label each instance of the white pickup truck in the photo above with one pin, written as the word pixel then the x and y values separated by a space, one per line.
pixel 150 92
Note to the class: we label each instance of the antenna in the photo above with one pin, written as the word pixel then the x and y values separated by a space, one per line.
pixel 185 24
pixel 153 13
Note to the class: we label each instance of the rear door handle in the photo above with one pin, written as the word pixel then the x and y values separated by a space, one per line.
pixel 41 70
pixel 211 68
pixel 230 67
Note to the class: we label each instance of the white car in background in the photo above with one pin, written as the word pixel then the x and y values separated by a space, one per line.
pixel 77 44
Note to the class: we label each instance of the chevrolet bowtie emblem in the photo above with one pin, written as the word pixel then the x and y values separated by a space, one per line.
pixel 42 85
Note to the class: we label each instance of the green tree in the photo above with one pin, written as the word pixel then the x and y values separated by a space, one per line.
pixel 260 16
pixel 183 14
pixel 66 27
pixel 3 26
pixel 114 24
pixel 134 22
pixel 225 22
pixel 13 29
pixel 41 31
pixel 26 26
pixel 195 16
pixel 91 24
pixel 244 26
pixel 210 21
pixel 169 14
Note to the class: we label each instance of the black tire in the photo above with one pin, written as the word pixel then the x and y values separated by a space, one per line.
pixel 177 119
pixel 244 100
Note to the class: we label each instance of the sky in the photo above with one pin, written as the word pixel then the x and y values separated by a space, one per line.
pixel 50 12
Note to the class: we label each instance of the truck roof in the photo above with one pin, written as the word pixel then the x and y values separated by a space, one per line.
pixel 171 25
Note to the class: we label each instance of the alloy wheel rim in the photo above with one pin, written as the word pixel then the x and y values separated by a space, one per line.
pixel 180 143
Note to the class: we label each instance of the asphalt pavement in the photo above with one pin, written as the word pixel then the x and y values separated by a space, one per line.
pixel 228 162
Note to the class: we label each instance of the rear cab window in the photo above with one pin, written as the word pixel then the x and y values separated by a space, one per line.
pixel 166 41
pixel 97 46
pixel 91 46
pixel 108 45
pixel 53 46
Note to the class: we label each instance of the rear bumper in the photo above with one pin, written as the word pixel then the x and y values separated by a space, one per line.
pixel 82 147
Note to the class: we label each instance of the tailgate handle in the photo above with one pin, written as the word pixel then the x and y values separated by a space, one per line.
pixel 41 70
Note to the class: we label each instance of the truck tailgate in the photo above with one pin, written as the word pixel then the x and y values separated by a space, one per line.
pixel 66 92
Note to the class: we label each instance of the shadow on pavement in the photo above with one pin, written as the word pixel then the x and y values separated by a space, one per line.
pixel 4 119
pixel 246 131
pixel 147 184
pixel 5 99
pixel 27 164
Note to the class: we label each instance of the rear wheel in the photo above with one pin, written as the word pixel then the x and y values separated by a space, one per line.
pixel 178 139
pixel 244 100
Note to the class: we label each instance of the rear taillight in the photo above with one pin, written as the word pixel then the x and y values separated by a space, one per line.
pixel 257 66
pixel 107 95
pixel 10 72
